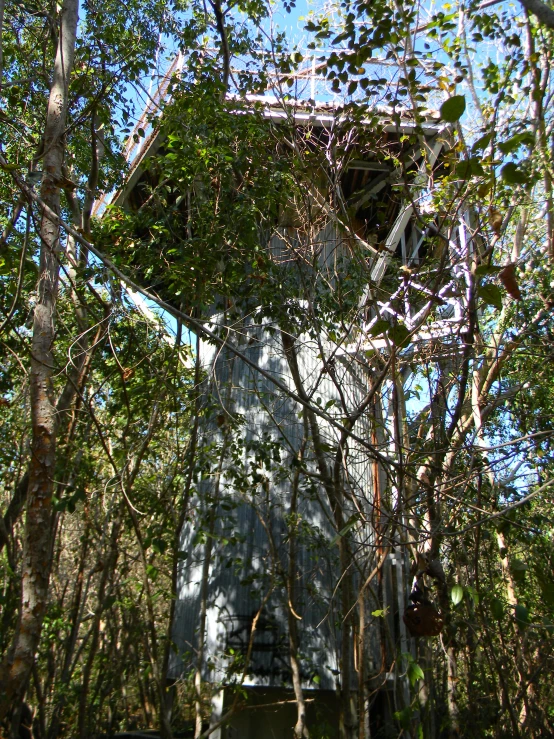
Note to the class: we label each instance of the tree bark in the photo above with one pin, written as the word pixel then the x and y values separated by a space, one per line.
pixel 37 547
pixel 540 10
pixel 204 588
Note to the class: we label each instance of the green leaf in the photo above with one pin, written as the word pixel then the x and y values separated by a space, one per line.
pixel 414 673
pixel 349 525
pixel 399 334
pixel 453 108
pixel 497 609
pixel 58 504
pixel 152 572
pixel 469 168
pixel 487 269
pixel 491 295
pixel 512 175
pixel 522 615
pixel 473 594
pixel 457 594
pixel 513 144
pixel 404 718
pixel 379 327
pixel 482 142
pixel 380 613
pixel 159 545
pixel 518 569
pixel 109 602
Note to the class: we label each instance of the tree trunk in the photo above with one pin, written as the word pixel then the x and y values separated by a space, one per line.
pixel 300 728
pixel 204 588
pixel 37 547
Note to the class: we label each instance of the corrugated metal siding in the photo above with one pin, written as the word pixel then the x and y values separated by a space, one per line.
pixel 246 515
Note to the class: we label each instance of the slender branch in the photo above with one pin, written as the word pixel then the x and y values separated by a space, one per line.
pixel 12 222
pixel 1 40
pixel 220 22
pixel 19 276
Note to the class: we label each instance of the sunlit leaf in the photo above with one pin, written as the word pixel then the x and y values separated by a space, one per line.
pixel 512 175
pixel 414 673
pixel 453 108
pixel 380 613
pixel 513 144
pixel 379 327
pixel 491 295
pixel 469 168
pixel 399 334
pixel 457 594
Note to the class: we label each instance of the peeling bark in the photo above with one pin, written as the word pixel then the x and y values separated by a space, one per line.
pixel 37 551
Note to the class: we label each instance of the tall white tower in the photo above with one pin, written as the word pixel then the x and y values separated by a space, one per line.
pixel 293 581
